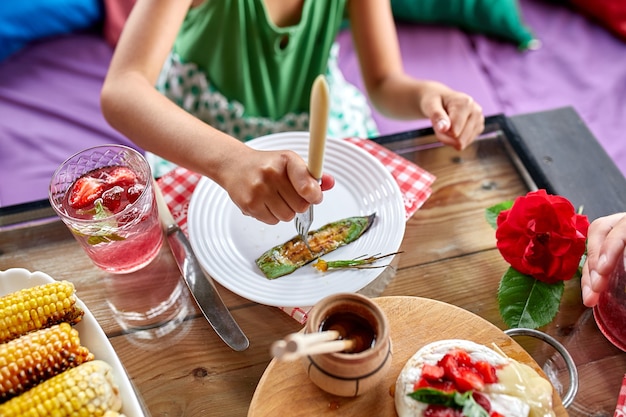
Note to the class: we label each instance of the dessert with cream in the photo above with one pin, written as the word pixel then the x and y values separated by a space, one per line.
pixel 462 378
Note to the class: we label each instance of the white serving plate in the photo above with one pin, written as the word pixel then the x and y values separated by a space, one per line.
pixel 91 335
pixel 227 243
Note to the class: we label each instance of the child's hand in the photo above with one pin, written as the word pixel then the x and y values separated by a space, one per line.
pixel 606 242
pixel 457 119
pixel 273 186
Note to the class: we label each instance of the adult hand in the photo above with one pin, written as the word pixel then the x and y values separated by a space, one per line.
pixel 457 119
pixel 273 186
pixel 606 242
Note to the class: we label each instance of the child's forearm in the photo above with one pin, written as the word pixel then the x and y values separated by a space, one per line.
pixel 153 122
pixel 399 96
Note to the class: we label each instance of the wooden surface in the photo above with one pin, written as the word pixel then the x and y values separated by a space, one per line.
pixel 285 389
pixel 180 366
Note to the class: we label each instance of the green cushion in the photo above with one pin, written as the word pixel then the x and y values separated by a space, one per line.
pixel 498 18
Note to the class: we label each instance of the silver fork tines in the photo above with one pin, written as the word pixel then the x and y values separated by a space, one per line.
pixel 303 224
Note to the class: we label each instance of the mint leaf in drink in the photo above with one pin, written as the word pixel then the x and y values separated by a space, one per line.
pixel 106 232
pixel 94 240
pixel 101 212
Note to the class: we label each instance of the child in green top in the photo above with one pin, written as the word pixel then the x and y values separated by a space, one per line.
pixel 230 70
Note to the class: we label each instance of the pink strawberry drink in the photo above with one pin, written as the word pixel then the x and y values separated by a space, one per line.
pixel 105 196
pixel 610 312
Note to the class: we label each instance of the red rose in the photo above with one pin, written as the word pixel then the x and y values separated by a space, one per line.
pixel 542 236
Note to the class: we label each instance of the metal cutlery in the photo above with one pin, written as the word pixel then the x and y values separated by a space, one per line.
pixel 318 122
pixel 200 285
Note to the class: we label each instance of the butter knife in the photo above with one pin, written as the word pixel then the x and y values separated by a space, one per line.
pixel 200 285
pixel 318 124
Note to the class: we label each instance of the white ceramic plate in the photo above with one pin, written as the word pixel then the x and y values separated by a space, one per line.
pixel 91 335
pixel 227 243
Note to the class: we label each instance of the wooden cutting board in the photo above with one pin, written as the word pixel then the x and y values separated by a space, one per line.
pixel 285 390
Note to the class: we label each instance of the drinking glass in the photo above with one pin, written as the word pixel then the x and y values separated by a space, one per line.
pixel 610 312
pixel 118 240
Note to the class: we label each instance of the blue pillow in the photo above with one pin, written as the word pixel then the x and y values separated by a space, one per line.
pixel 23 21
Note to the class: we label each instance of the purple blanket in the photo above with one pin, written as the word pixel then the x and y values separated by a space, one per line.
pixel 49 92
pixel 579 64
pixel 49 109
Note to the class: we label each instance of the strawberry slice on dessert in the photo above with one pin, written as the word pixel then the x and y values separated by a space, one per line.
pixel 85 191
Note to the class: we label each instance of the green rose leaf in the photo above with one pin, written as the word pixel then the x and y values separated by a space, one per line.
pixel 583 259
pixel 491 214
pixel 526 302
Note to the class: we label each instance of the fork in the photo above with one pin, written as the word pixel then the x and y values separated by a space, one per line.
pixel 303 223
pixel 318 122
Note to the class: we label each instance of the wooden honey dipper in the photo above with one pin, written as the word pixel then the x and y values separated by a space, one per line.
pixel 296 345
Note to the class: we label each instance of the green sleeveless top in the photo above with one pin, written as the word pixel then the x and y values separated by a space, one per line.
pixel 269 69
pixel 233 69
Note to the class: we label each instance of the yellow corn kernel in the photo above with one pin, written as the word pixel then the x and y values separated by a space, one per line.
pixel 37 356
pixel 36 308
pixel 86 390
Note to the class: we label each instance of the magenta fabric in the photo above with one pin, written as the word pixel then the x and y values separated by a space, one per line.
pixel 580 64
pixel 49 109
pixel 429 52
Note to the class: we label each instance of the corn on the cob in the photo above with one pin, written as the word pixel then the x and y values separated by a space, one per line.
pixel 37 356
pixel 36 308
pixel 87 390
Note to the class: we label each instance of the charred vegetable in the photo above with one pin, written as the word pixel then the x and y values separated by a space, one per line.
pixel 286 258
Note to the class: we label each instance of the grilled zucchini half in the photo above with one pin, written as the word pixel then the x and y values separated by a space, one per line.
pixel 285 258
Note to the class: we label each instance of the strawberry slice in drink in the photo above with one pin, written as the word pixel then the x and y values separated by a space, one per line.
pixel 112 198
pixel 134 192
pixel 107 183
pixel 85 191
pixel 122 176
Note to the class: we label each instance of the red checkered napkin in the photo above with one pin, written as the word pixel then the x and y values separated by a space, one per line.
pixel 414 182
pixel 177 187
pixel 620 409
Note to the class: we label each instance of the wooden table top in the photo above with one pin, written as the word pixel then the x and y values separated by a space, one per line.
pixel 181 368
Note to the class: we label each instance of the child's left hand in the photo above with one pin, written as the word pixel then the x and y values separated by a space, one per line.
pixel 457 119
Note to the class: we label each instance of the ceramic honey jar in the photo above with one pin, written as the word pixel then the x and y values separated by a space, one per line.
pixel 358 318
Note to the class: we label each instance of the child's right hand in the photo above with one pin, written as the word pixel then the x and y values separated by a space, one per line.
pixel 606 242
pixel 272 186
